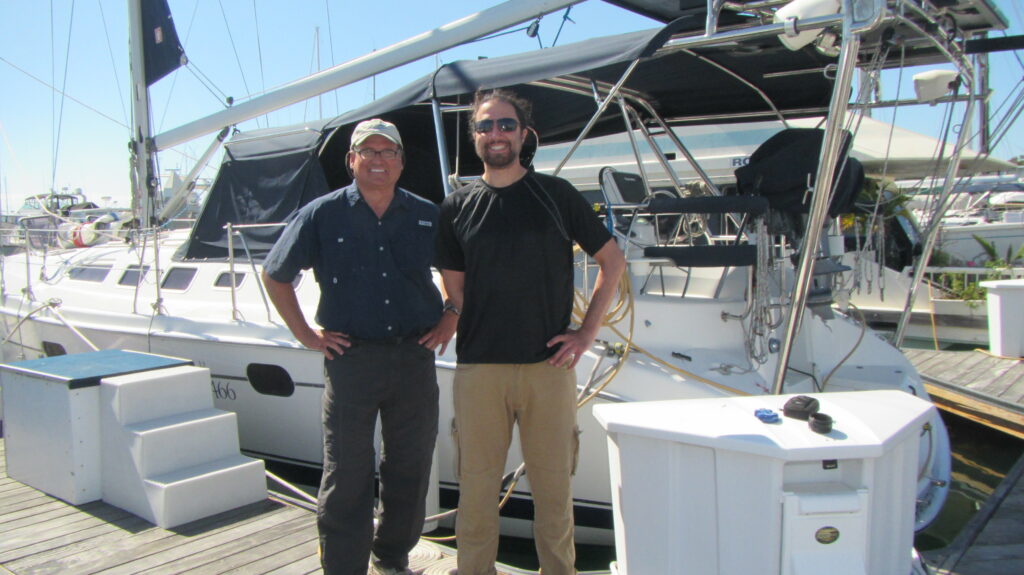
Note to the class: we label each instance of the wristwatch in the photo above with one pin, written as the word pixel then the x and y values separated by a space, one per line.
pixel 449 306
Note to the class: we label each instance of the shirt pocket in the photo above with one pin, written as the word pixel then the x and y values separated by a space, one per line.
pixel 346 254
pixel 413 248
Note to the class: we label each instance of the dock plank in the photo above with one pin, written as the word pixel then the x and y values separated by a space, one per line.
pixel 278 560
pixel 975 385
pixel 124 545
pixel 28 517
pixel 990 371
pixel 243 549
pixel 961 368
pixel 67 558
pixel 306 566
pixel 1005 383
pixel 164 552
pixel 18 499
pixel 55 536
pixel 1015 393
pixel 42 508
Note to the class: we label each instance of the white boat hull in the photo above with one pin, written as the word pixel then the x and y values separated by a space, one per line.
pixel 681 348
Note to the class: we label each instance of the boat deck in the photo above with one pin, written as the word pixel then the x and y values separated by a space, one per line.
pixel 976 385
pixel 992 542
pixel 40 535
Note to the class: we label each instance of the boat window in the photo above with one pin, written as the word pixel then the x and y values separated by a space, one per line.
pixel 130 277
pixel 52 349
pixel 90 272
pixel 270 379
pixel 178 278
pixel 224 279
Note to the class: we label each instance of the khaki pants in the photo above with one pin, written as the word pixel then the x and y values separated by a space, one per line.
pixel 489 399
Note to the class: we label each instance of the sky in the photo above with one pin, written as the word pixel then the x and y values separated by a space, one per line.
pixel 64 74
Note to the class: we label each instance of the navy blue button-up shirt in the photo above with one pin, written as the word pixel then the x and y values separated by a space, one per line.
pixel 374 274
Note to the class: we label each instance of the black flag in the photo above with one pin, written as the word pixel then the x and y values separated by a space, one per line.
pixel 162 50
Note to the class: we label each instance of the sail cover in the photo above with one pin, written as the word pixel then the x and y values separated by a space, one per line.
pixel 161 48
pixel 265 177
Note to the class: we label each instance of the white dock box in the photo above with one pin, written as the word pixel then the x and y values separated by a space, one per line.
pixel 703 487
pixel 51 418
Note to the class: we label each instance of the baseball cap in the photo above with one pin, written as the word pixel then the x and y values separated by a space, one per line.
pixel 375 127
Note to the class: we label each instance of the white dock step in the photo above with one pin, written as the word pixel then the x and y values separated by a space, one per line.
pixel 162 445
pixel 184 495
pixel 157 393
pixel 168 455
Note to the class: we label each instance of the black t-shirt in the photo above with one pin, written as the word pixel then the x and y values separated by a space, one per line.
pixel 515 246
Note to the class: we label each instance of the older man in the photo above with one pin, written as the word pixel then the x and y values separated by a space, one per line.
pixel 371 246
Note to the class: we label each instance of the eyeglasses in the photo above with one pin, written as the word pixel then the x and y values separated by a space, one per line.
pixel 369 154
pixel 504 125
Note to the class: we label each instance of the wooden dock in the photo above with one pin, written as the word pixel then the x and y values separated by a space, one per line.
pixel 976 385
pixel 992 542
pixel 41 535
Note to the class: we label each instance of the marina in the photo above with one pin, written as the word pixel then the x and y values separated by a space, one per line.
pixel 734 306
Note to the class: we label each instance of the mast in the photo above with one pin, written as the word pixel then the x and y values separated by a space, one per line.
pixel 143 180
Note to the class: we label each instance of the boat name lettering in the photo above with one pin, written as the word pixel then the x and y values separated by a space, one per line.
pixel 222 389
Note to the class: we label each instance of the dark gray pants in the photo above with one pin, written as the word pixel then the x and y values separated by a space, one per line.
pixel 398 381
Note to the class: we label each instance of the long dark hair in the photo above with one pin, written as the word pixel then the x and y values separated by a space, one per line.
pixel 522 107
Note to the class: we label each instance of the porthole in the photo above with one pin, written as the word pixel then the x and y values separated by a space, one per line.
pixel 270 379
pixel 52 349
pixel 224 279
pixel 89 273
pixel 178 278
pixel 132 275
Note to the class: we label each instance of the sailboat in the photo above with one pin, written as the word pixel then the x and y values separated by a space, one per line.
pixel 726 294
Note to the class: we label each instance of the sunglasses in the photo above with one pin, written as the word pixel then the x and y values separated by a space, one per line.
pixel 504 125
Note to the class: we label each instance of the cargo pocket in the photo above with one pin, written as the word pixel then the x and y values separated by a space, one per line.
pixel 457 459
pixel 575 448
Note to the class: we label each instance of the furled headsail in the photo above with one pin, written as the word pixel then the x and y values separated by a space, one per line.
pixel 161 47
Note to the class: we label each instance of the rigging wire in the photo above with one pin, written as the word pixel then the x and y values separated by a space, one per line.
pixel 499 34
pixel 565 17
pixel 61 93
pixel 110 51
pixel 259 55
pixel 210 86
pixel 53 82
pixel 330 38
pixel 234 50
pixel 313 67
pixel 64 85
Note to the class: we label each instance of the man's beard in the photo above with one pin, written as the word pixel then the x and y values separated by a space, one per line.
pixel 498 159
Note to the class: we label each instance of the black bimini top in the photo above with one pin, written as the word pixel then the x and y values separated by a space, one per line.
pixel 268 174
